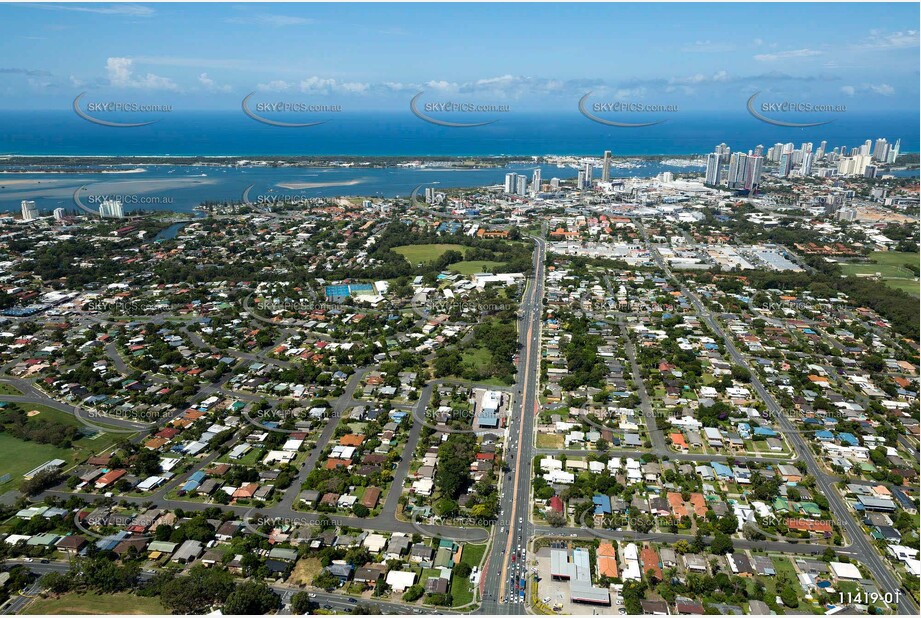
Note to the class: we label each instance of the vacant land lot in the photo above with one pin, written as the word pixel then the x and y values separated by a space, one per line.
pixel 92 603
pixel 461 589
pixel 304 571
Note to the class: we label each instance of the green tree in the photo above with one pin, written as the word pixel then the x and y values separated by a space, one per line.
pixel 301 603
pixel 722 543
pixel 252 598
pixel 788 596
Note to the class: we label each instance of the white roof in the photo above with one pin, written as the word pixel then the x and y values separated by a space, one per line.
pixel 845 570
pixel 401 580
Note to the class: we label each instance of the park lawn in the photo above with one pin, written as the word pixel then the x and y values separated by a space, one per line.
pixel 480 358
pixel 461 588
pixel 895 258
pixel 906 285
pixel 426 253
pixel 93 603
pixel 885 270
pixel 20 456
pixel 475 266
pixel 891 266
pixel 9 389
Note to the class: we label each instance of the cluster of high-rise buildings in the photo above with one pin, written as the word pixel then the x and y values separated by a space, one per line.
pixel 743 171
pixel 109 209
pixel 29 210
pixel 517 184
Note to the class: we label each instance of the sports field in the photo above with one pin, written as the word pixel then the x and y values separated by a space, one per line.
pixel 476 266
pixel 20 456
pixel 891 266
pixel 426 253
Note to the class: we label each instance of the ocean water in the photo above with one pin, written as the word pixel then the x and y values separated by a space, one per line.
pixel 402 134
pixel 183 187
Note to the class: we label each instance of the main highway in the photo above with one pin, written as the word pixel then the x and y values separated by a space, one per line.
pixel 505 566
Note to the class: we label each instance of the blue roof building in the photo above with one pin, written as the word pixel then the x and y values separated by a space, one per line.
pixel 848 438
pixel 722 471
pixel 602 504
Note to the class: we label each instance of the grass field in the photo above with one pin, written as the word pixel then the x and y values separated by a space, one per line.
pixel 92 603
pixel 549 440
pixel 477 357
pixel 426 253
pixel 906 285
pixel 891 266
pixel 461 589
pixel 20 456
pixel 475 266
pixel 9 389
pixel 304 571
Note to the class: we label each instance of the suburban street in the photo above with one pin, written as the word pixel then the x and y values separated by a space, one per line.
pixel 855 537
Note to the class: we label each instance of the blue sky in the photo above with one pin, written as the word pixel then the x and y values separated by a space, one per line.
pixel 530 56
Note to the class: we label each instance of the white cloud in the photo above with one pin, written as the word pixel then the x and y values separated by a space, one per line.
pixel 129 10
pixel 786 55
pixel 400 86
pixel 708 47
pixel 883 89
pixel 276 85
pixel 441 85
pixel 212 85
pixel 320 85
pixel 879 40
pixel 880 89
pixel 700 78
pixel 121 74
